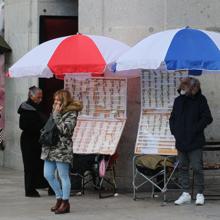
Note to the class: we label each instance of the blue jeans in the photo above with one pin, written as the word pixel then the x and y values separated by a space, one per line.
pixel 63 191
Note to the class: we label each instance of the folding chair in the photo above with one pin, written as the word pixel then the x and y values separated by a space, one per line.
pixel 83 166
pixel 107 175
pixel 165 172
pixel 99 171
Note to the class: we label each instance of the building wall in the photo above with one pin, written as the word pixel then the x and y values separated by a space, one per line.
pixel 22 34
pixel 132 20
pixel 58 7
pixel 125 20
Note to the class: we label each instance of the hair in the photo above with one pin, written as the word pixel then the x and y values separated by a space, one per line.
pixel 33 90
pixel 192 83
pixel 67 102
pixel 195 85
pixel 64 96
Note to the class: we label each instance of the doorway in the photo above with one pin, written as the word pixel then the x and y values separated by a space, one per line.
pixel 53 27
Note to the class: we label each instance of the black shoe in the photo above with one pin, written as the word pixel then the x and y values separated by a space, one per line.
pixel 32 194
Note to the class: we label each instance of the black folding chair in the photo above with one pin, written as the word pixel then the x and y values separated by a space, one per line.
pixel 86 168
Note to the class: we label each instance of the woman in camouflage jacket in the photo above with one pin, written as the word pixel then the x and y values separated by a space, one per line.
pixel 59 157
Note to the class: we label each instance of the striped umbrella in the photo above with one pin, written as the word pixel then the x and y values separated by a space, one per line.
pixel 177 49
pixel 72 54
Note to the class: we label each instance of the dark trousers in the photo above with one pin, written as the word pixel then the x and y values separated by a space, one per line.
pixel 30 169
pixel 195 159
pixel 33 165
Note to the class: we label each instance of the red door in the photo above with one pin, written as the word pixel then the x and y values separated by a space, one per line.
pixel 52 27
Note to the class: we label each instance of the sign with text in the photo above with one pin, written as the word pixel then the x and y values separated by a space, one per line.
pixel 158 91
pixel 102 120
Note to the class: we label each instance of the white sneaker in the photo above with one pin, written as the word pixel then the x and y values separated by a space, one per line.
pixel 183 199
pixel 200 200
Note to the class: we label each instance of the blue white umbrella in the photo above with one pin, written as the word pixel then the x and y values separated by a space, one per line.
pixel 177 49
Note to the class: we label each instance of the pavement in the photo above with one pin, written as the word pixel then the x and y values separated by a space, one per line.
pixel 14 205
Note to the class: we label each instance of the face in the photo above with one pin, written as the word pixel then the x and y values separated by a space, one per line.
pixel 38 97
pixel 185 86
pixel 57 101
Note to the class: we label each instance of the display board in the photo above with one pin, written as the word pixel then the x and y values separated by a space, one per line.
pixel 102 120
pixel 158 91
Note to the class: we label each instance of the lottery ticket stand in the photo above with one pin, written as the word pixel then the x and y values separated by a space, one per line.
pixel 102 120
pixel 158 91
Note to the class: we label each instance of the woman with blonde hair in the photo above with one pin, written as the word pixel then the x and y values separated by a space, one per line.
pixel 59 156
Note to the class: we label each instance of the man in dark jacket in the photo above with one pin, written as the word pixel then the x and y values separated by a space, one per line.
pixel 189 118
pixel 30 122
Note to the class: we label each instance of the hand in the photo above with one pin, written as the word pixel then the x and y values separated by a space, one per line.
pixel 57 108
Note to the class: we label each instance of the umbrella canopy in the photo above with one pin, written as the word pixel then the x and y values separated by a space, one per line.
pixel 177 49
pixel 72 54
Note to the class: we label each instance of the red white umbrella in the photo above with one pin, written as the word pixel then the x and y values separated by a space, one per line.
pixel 72 54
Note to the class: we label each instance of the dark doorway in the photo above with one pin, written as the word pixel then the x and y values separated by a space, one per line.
pixel 52 27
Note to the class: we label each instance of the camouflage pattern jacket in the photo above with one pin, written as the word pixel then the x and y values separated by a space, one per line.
pixel 62 152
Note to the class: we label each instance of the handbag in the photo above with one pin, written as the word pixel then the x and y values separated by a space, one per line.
pixel 102 167
pixel 49 134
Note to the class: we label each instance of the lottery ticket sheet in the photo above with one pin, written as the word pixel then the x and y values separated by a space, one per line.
pixel 158 91
pixel 102 120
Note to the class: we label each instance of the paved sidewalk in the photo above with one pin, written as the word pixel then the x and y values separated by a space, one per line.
pixel 13 205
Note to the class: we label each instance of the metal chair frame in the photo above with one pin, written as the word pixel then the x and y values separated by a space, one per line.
pixel 167 179
pixel 98 182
